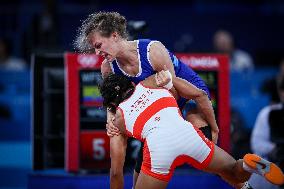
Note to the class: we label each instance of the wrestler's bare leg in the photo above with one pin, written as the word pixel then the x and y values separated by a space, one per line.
pixel 228 168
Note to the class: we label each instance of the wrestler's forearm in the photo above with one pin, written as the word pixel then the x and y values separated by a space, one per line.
pixel 186 89
pixel 205 106
pixel 118 146
pixel 116 180
pixel 189 91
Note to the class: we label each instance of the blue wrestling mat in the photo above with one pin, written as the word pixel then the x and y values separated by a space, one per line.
pixel 190 179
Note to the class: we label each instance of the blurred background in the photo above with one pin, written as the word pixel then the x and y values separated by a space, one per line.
pixel 250 32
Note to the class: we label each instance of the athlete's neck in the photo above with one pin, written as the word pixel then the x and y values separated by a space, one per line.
pixel 128 53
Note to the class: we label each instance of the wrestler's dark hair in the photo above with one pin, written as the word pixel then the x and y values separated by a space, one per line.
pixel 103 22
pixel 115 89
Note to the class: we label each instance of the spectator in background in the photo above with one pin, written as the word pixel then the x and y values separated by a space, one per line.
pixel 239 60
pixel 7 61
pixel 270 85
pixel 268 133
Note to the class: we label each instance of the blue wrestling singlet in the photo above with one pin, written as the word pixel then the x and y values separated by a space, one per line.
pixel 146 69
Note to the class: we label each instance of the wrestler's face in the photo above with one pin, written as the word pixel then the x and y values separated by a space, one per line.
pixel 105 46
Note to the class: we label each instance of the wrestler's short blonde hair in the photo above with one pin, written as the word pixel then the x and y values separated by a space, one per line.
pixel 103 22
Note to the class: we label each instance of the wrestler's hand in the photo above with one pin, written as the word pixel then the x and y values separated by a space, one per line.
pixel 214 133
pixel 112 130
pixel 164 78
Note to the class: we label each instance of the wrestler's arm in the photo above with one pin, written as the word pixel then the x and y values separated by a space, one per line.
pixel 118 144
pixel 111 129
pixel 160 58
pixel 189 91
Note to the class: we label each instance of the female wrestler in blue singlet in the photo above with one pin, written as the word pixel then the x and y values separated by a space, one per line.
pixel 146 69
pixel 105 32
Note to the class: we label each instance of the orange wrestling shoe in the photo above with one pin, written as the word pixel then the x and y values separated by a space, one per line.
pixel 267 169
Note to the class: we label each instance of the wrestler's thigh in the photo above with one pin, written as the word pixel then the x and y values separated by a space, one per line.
pixel 221 162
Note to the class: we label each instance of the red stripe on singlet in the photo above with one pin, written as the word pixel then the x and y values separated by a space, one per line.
pixel 155 107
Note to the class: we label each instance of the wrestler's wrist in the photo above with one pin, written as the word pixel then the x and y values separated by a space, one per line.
pixel 170 84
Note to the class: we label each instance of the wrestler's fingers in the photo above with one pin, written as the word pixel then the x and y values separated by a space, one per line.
pixel 161 74
pixel 164 76
pixel 157 79
pixel 109 134
pixel 165 67
pixel 113 128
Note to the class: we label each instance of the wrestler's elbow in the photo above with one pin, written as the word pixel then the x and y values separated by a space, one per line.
pixel 201 95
